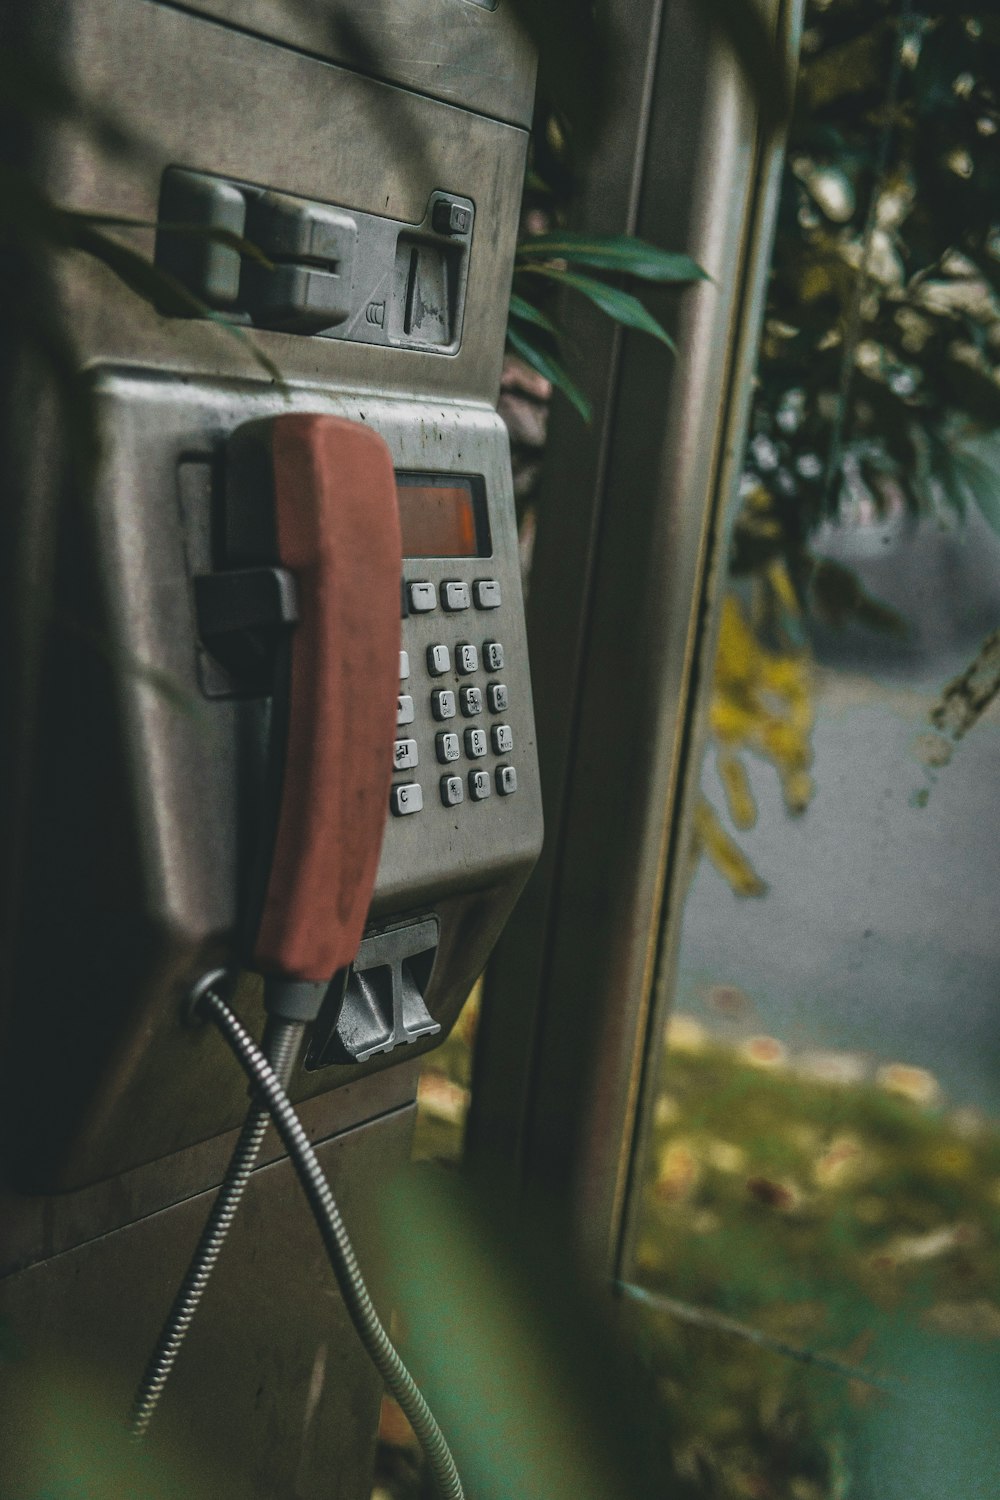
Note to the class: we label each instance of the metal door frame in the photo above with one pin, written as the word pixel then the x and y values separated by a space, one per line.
pixel 629 563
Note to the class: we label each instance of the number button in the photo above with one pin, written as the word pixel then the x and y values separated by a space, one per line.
pixel 479 785
pixel 486 593
pixel 471 700
pixel 404 755
pixel 423 596
pixel 467 659
pixel 475 743
pixel 404 709
pixel 496 697
pixel 452 790
pixel 503 740
pixel 455 595
pixel 438 660
pixel 493 656
pixel 407 798
pixel 443 703
pixel 506 780
pixel 404 665
pixel 447 747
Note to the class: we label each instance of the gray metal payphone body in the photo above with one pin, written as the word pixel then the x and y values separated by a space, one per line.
pixel 374 155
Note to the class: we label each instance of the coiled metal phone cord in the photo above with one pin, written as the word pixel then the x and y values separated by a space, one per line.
pixel 339 1249
pixel 282 1040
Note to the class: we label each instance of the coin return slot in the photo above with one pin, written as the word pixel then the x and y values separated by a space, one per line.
pixel 378 1003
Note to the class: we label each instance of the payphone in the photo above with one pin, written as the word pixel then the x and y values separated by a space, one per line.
pixel 287 612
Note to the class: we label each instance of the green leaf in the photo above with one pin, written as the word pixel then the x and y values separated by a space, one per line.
pixel 551 369
pixel 527 313
pixel 621 306
pixel 212 232
pixel 613 252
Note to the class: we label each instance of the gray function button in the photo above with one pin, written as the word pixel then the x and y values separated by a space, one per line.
pixel 423 596
pixel 404 709
pixel 404 665
pixel 443 703
pixel 486 593
pixel 471 700
pixel 479 785
pixel 492 656
pixel 455 595
pixel 506 780
pixel 475 743
pixel 503 740
pixel 447 747
pixel 466 659
pixel 407 798
pixel 452 790
pixel 404 755
pixel 438 660
pixel 496 697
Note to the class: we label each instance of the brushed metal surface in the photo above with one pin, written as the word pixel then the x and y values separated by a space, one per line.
pixel 197 94
pixel 272 1396
pixel 450 49
pixel 618 630
pixel 35 1228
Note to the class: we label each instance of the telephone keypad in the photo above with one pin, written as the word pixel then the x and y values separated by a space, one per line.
pixel 464 659
pixel 447 746
pixel 452 790
pixel 406 798
pixel 479 785
pixel 486 593
pixel 506 780
pixel 423 597
pixel 455 595
pixel 405 755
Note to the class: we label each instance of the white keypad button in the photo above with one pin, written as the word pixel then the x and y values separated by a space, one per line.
pixel 423 596
pixel 452 790
pixel 467 659
pixel 475 743
pixel 455 595
pixel 404 665
pixel 486 592
pixel 438 660
pixel 404 709
pixel 479 785
pixel 496 697
pixel 503 740
pixel 443 703
pixel 471 700
pixel 407 798
pixel 492 656
pixel 404 755
pixel 506 780
pixel 447 747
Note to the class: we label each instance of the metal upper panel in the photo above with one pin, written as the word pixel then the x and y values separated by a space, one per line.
pixel 178 83
pixel 455 50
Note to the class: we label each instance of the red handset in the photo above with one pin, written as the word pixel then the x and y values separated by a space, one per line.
pixel 337 531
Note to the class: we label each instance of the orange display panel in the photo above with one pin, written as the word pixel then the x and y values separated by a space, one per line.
pixel 442 516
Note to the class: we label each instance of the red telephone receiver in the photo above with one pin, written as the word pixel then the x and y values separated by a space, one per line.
pixel 334 526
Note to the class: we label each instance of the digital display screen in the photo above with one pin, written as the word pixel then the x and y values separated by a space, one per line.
pixel 442 515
